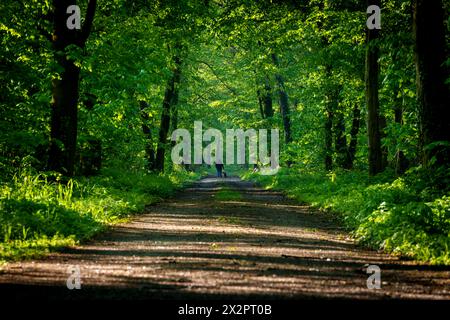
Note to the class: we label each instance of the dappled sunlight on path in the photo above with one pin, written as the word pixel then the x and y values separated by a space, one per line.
pixel 196 246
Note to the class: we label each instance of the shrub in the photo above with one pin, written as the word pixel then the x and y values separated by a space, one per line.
pixel 408 216
pixel 38 212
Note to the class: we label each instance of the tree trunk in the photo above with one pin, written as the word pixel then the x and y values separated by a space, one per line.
pixel 401 163
pixel 149 150
pixel 260 103
pixel 331 104
pixel 330 109
pixel 170 98
pixel 267 99
pixel 174 120
pixel 266 109
pixel 329 140
pixel 284 102
pixel 372 101
pixel 351 150
pixel 65 89
pixel 64 122
pixel 340 140
pixel 432 92
pixel 384 149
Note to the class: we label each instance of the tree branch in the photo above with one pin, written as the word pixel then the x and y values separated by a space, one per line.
pixel 232 90
pixel 87 26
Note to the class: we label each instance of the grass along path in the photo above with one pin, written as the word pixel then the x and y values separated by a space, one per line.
pixel 223 238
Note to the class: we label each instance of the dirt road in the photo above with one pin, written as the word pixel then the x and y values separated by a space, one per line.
pixel 198 245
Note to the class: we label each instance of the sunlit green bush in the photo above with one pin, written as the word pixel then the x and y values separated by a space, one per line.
pixel 39 213
pixel 407 216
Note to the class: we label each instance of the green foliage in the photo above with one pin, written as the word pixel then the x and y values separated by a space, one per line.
pixel 38 213
pixel 225 48
pixel 399 215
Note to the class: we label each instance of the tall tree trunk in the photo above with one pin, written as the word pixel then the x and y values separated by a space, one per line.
pixel 170 97
pixel 340 140
pixel 346 152
pixel 174 120
pixel 267 99
pixel 329 140
pixel 372 100
pixel 266 109
pixel 174 116
pixel 149 150
pixel 65 88
pixel 401 162
pixel 432 92
pixel 330 109
pixel 260 103
pixel 351 150
pixel 331 104
pixel 284 102
pixel 384 149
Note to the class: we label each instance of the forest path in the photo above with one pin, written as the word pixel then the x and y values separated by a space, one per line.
pixel 258 244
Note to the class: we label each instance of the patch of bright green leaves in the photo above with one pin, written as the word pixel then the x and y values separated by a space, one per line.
pixel 38 213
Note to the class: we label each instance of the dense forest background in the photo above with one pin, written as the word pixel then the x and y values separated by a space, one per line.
pixel 87 114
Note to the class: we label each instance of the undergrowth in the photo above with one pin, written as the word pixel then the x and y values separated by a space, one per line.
pixel 408 215
pixel 40 213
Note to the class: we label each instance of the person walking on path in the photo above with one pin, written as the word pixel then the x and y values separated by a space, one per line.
pixel 219 169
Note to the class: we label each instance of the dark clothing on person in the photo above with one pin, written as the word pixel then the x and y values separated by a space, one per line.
pixel 219 169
